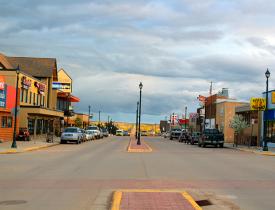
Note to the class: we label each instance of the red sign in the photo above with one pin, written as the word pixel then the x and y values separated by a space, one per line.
pixel 2 83
pixel 183 121
pixel 41 87
pixel 26 82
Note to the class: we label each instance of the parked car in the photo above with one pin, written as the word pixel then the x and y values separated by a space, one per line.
pixel 101 136
pixel 185 137
pixel 126 133
pixel 119 133
pixel 23 135
pixel 166 135
pixel 84 135
pixel 90 135
pixel 72 134
pixel 105 132
pixel 143 133
pixel 195 137
pixel 211 137
pixel 175 133
pixel 95 129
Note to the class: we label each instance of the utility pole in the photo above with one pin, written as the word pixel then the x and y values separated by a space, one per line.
pixel 185 117
pixel 89 115
pixel 210 104
pixel 99 117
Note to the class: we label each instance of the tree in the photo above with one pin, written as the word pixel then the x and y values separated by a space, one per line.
pixel 111 127
pixel 78 122
pixel 238 124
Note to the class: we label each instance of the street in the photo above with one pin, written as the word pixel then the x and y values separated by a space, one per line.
pixel 84 176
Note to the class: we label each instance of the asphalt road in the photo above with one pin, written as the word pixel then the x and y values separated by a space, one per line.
pixel 83 176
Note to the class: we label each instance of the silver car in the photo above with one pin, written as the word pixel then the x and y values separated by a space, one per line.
pixel 72 134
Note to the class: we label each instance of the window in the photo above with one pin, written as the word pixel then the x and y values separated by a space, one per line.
pixel 30 101
pixel 26 96
pixel 42 100
pixel 33 98
pixel 6 122
pixel 37 100
pixel 21 94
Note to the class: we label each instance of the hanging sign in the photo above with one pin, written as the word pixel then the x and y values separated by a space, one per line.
pixel 41 87
pixel 3 92
pixel 257 104
pixel 26 83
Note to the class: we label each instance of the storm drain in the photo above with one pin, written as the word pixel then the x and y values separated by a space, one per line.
pixel 12 202
pixel 204 203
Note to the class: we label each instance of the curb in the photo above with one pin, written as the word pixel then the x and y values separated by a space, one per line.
pixel 15 151
pixel 255 152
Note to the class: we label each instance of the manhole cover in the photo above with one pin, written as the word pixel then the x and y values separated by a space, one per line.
pixel 204 203
pixel 12 202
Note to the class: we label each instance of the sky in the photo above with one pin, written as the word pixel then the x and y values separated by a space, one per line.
pixel 174 47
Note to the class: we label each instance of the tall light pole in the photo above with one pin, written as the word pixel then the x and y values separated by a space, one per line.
pixel 267 75
pixel 15 109
pixel 99 117
pixel 140 88
pixel 137 120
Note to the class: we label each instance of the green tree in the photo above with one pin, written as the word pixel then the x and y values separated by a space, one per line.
pixel 111 127
pixel 78 122
pixel 238 124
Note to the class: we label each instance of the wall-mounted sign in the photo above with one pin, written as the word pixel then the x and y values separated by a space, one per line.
pixel 257 104
pixel 65 87
pixel 273 97
pixel 41 87
pixel 2 83
pixel 3 92
pixel 26 83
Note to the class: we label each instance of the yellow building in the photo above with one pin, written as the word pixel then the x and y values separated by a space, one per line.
pixel 37 98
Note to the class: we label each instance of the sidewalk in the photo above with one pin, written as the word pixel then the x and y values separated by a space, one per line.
pixel 24 146
pixel 256 150
pixel 153 200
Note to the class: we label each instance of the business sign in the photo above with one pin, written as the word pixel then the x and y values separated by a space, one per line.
pixel 273 97
pixel 65 87
pixel 3 92
pixel 41 87
pixel 193 115
pixel 257 104
pixel 26 83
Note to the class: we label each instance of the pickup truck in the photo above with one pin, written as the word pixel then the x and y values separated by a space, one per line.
pixel 211 137
pixel 175 133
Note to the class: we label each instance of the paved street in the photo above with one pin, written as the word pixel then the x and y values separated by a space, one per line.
pixel 84 176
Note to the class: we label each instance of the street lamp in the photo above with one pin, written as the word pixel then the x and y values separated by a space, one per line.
pixel 137 120
pixel 140 88
pixel 185 117
pixel 15 109
pixel 267 75
pixel 89 115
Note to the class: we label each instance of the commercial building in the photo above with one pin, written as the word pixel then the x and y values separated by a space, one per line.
pixel 37 98
pixel 225 111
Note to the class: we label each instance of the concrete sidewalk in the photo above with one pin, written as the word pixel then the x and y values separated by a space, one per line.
pixel 24 146
pixel 256 150
pixel 133 147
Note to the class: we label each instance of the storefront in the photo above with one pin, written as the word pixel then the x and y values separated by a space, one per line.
pixel 7 103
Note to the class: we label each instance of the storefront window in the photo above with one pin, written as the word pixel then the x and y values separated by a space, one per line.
pixel 31 126
pixel 6 122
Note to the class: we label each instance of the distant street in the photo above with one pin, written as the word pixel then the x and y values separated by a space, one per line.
pixel 70 176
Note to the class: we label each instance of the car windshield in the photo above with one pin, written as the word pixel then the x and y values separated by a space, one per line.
pixel 70 130
pixel 92 128
pixel 211 131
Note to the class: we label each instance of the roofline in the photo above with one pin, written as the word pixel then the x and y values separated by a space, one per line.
pixel 65 72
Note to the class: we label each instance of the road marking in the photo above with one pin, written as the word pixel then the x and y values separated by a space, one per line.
pixel 116 200
pixel 188 197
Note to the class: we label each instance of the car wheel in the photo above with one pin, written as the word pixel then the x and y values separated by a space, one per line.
pixel 221 145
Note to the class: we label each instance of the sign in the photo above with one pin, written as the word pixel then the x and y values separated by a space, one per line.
pixel 273 97
pixel 26 83
pixel 193 115
pixel 257 104
pixel 61 86
pixel 41 87
pixel 2 83
pixel 201 98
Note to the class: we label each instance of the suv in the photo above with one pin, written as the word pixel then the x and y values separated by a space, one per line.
pixel 211 137
pixel 175 133
pixel 95 129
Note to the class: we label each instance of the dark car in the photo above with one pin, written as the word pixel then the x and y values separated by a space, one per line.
pixel 175 133
pixel 185 137
pixel 211 137
pixel 195 137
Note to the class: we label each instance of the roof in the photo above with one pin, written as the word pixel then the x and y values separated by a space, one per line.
pixel 37 67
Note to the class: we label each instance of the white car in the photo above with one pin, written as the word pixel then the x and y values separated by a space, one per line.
pixel 90 135
pixel 95 129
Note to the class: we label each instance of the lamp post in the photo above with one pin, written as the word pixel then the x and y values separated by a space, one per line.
pixel 267 75
pixel 99 118
pixel 185 117
pixel 137 120
pixel 140 88
pixel 15 109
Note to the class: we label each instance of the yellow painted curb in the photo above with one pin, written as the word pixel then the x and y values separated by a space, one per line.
pixel 116 200
pixel 118 196
pixel 257 152
pixel 188 197
pixel 10 151
pixel 14 151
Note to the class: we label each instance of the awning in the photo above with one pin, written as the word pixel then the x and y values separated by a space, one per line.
pixel 68 97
